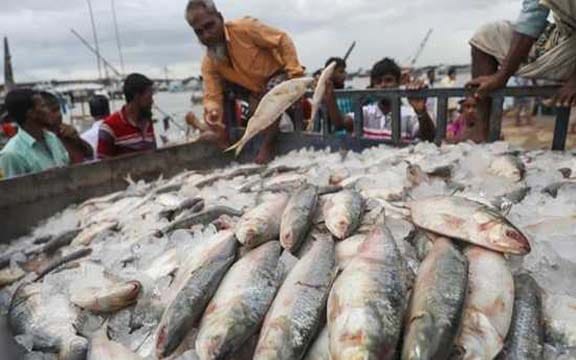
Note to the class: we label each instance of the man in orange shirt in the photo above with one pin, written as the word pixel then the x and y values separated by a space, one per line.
pixel 243 53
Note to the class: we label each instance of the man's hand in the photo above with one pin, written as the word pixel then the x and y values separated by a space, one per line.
pixel 68 131
pixel 418 104
pixel 566 97
pixel 487 84
pixel 213 119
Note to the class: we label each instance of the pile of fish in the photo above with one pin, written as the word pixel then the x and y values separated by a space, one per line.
pixel 458 252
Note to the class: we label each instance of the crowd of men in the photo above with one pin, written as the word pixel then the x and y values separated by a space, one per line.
pixel 248 58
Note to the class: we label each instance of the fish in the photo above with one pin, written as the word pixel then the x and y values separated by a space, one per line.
pixel 555 188
pixel 346 250
pixel 108 299
pixel 90 233
pixel 194 205
pixel 102 348
pixel 298 309
pixel 10 275
pixel 271 107
pixel 514 197
pixel 204 217
pixel 262 223
pixel 237 310
pixel 49 323
pixel 508 166
pixel 320 349
pixel 61 261
pixel 488 307
pixel 195 285
pixel 559 314
pixel 164 265
pixel 436 303
pixel 526 337
pixel 319 92
pixel 343 213
pixel 367 302
pixel 297 217
pixel 469 221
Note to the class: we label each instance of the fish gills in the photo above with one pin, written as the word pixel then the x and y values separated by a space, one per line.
pixel 436 303
pixel 297 311
pixel 297 217
pixel 236 311
pixel 367 302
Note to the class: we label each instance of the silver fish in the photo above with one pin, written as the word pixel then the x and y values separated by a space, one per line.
pixel 319 92
pixel 343 213
pixel 470 221
pixel 51 328
pixel 195 285
pixel 262 223
pixel 367 302
pixel 102 348
pixel 508 166
pixel 271 107
pixel 488 307
pixel 106 300
pixel 526 337
pixel 297 311
pixel 237 309
pixel 436 304
pixel 297 217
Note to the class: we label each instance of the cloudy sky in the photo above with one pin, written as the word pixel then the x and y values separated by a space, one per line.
pixel 155 36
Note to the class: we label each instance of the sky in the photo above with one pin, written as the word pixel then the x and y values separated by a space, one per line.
pixel 157 41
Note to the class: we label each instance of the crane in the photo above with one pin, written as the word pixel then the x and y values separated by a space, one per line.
pixel 421 48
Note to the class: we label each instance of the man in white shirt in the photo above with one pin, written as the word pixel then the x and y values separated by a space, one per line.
pixel 99 110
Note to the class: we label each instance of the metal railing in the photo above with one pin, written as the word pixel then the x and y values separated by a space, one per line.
pixel 395 96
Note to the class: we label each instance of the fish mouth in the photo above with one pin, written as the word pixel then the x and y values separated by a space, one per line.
pixel 135 288
pixel 521 242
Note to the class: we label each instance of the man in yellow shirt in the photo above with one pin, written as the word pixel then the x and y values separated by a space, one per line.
pixel 244 53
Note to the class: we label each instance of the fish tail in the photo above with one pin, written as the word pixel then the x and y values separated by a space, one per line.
pixel 237 147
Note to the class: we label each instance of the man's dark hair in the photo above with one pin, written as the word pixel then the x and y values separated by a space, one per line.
pixel 207 5
pixel 452 71
pixel 136 84
pixel 99 106
pixel 50 99
pixel 384 67
pixel 18 102
pixel 340 63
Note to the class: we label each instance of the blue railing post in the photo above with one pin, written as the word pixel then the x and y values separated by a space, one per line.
pixel 396 102
pixel 495 125
pixel 441 120
pixel 561 129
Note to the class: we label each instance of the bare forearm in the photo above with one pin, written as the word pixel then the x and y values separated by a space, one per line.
pixel 427 129
pixel 518 53
pixel 338 120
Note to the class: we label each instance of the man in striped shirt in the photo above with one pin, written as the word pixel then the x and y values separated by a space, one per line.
pixel 130 130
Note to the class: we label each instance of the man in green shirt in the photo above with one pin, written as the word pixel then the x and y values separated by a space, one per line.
pixel 33 149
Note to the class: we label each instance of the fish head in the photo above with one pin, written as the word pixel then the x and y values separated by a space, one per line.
pixel 75 348
pixel 509 238
pixel 122 296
